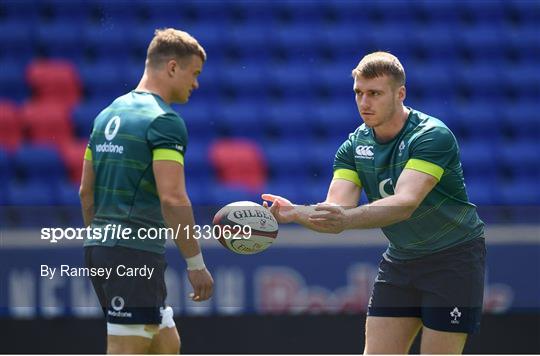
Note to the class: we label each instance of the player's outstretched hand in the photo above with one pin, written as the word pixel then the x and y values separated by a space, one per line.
pixel 202 283
pixel 282 209
pixel 329 218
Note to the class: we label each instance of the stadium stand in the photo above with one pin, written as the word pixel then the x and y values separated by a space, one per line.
pixel 278 73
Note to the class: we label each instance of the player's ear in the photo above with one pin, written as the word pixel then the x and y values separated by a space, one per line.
pixel 172 67
pixel 402 93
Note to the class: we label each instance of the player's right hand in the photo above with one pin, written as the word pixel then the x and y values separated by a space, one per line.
pixel 282 209
pixel 202 283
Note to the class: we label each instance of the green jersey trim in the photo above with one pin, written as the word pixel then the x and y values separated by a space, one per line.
pixel 349 175
pixel 425 167
pixel 88 154
pixel 165 154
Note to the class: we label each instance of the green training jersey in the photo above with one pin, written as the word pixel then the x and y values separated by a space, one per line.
pixel 446 217
pixel 127 137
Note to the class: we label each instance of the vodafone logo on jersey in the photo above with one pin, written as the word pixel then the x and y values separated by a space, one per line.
pixel 110 132
pixel 364 152
pixel 112 128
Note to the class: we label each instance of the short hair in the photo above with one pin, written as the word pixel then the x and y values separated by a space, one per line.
pixel 169 43
pixel 378 64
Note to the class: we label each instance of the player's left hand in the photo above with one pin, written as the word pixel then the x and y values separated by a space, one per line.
pixel 330 218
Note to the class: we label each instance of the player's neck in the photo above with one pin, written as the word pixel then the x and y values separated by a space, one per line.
pixel 389 130
pixel 149 85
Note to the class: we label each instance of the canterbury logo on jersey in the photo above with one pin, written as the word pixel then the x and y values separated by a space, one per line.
pixel 364 152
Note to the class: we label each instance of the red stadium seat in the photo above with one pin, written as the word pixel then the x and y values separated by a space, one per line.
pixel 47 122
pixel 239 162
pixel 73 154
pixel 10 126
pixel 54 80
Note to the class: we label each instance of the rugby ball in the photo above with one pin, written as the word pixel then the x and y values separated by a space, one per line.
pixel 245 227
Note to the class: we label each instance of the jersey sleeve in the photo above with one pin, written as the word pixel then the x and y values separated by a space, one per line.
pixel 167 137
pixel 89 147
pixel 433 152
pixel 344 166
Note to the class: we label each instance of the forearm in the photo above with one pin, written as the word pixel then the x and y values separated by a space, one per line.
pixel 87 206
pixel 302 214
pixel 179 216
pixel 380 213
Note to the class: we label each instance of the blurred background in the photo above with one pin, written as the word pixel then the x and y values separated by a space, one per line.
pixel 274 104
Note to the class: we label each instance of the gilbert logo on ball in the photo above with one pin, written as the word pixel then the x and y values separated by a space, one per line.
pixel 245 227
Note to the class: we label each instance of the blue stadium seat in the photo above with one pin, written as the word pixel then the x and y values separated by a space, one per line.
pixel 5 168
pixel 482 41
pixel 436 41
pixel 522 191
pixel 74 12
pixel 478 158
pixel 395 11
pixel 391 38
pixel 222 195
pixel 286 159
pixel 524 41
pixel 319 157
pixel 101 80
pixel 521 118
pixel 198 185
pixel 12 10
pixel 490 12
pixel 39 163
pixel 344 39
pixel 296 38
pixel 107 42
pixel 245 78
pixel 295 80
pixel 12 85
pixel 164 11
pixel 200 119
pixel 240 119
pixel 289 119
pixel 440 108
pixel 60 40
pixel 481 81
pixel 435 81
pixel 481 191
pixel 208 34
pixel 84 115
pixel 32 205
pixel 249 40
pixel 521 158
pixel 523 80
pixel 289 188
pixel 336 79
pixel 196 160
pixel 315 191
pixel 527 11
pixel 477 119
pixel 311 12
pixel 335 118
pixel 114 13
pixel 351 12
pixel 17 37
pixel 66 194
pixel 32 193
pixel 441 11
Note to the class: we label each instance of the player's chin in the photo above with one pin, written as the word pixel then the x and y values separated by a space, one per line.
pixel 369 120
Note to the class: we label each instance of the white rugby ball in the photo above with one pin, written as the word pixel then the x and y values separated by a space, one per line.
pixel 245 227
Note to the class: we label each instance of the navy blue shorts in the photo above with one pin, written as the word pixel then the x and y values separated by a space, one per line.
pixel 444 289
pixel 128 299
